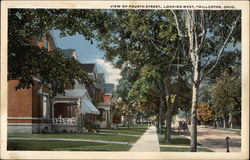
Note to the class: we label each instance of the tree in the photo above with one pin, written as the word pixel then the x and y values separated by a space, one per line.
pixel 204 34
pixel 226 97
pixel 26 60
pixel 204 113
pixel 147 92
pixel 138 38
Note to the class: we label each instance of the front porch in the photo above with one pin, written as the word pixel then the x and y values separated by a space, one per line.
pixel 105 117
pixel 66 116
pixel 69 115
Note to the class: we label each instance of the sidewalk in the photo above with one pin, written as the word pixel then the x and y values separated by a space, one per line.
pixel 148 142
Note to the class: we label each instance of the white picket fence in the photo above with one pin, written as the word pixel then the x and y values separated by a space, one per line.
pixel 68 121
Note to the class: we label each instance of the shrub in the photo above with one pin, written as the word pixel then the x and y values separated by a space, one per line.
pixel 91 127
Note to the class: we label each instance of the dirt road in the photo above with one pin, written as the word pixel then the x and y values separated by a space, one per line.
pixel 215 139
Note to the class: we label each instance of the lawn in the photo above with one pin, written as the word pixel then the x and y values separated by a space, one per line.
pixel 46 145
pixel 116 138
pixel 32 145
pixel 122 134
pixel 172 149
pixel 236 127
pixel 174 141
pixel 133 130
pixel 178 141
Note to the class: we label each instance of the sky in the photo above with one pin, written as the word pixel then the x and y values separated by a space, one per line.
pixel 88 53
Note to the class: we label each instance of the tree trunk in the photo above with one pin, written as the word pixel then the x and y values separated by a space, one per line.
pixel 194 120
pixel 161 116
pixel 214 124
pixel 128 122
pixel 230 120
pixel 224 121
pixel 168 125
pixel 196 84
pixel 195 59
pixel 161 119
pixel 157 122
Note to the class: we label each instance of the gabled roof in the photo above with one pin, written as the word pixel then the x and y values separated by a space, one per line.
pixel 108 89
pixel 69 53
pixel 89 68
pixel 100 76
pixel 100 81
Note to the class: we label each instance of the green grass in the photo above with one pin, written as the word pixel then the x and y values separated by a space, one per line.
pixel 172 149
pixel 236 127
pixel 177 141
pixel 64 146
pixel 182 141
pixel 138 130
pixel 78 146
pixel 116 138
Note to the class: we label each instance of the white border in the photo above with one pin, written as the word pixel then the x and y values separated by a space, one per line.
pixel 244 5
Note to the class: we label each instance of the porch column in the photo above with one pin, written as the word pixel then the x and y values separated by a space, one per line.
pixel 52 110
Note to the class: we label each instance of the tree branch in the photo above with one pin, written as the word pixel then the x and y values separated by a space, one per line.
pixel 224 45
pixel 177 24
pixel 172 60
pixel 157 47
pixel 154 39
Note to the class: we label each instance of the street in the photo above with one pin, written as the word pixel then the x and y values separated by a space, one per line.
pixel 215 139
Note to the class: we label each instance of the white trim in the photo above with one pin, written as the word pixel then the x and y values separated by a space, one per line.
pixel 45 94
pixel 35 79
pixel 58 101
pixel 28 118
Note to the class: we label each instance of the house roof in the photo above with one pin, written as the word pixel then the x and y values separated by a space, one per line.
pixel 100 81
pixel 101 77
pixel 69 53
pixel 89 68
pixel 109 88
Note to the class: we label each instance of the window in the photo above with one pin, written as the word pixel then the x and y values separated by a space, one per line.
pixel 46 109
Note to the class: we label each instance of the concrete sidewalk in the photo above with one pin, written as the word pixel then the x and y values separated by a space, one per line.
pixel 148 142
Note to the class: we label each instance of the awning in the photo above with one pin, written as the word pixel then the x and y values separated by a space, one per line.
pixel 88 107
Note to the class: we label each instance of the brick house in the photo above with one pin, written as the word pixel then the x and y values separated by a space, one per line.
pixel 32 111
pixel 29 109
pixel 106 109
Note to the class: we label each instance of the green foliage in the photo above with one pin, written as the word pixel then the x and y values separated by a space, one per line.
pixel 51 67
pixel 125 83
pixel 226 95
pixel 26 60
pixel 145 90
pixel 91 127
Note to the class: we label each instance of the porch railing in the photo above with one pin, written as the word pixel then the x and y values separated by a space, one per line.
pixel 68 121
